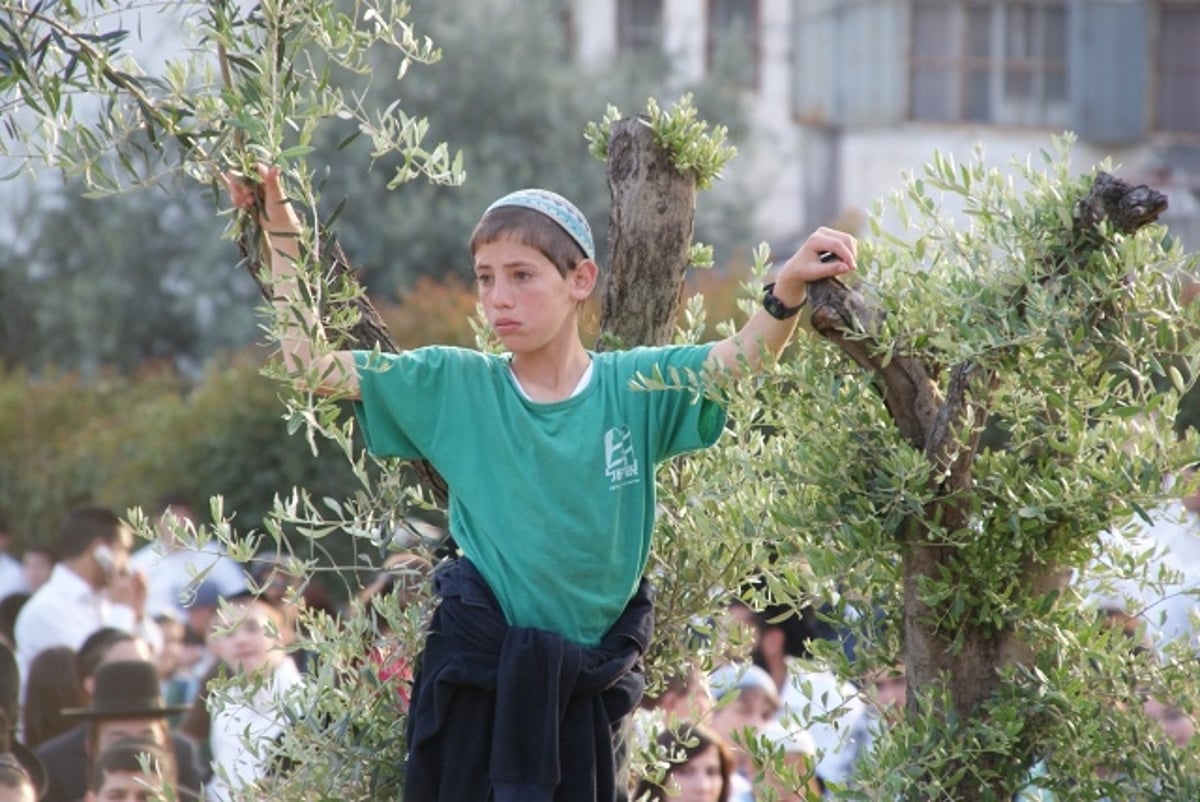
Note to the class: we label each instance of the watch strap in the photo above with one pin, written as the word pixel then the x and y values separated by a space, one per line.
pixel 777 308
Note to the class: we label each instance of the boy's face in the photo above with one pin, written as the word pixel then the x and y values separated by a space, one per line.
pixel 110 731
pixel 124 786
pixel 751 709
pixel 700 779
pixel 527 302
pixel 250 637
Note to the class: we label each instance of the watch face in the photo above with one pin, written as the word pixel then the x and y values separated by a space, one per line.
pixel 775 307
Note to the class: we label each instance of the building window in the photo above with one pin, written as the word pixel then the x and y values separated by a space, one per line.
pixel 994 61
pixel 733 41
pixel 1177 67
pixel 639 26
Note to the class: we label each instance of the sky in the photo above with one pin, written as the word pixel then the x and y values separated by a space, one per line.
pixel 154 37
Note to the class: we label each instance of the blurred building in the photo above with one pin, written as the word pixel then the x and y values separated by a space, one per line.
pixel 844 94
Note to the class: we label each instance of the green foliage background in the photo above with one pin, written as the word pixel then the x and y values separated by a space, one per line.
pixel 127 441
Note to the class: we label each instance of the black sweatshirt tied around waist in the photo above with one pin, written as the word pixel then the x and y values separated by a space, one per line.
pixel 509 713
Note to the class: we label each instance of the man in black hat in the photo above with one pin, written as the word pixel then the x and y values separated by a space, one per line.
pixel 10 709
pixel 127 703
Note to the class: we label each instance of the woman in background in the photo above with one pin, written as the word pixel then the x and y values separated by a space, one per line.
pixel 700 770
pixel 53 685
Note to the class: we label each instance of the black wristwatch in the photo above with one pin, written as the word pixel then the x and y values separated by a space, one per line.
pixel 777 308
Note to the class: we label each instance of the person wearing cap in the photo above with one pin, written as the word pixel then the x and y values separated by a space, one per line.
pixel 746 711
pixel 746 701
pixel 549 455
pixel 126 702
pixel 813 699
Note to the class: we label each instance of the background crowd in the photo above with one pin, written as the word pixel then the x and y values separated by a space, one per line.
pixel 108 651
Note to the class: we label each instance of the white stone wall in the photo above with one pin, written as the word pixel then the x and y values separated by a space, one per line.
pixel 847 169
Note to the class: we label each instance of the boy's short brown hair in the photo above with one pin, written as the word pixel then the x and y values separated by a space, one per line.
pixel 531 228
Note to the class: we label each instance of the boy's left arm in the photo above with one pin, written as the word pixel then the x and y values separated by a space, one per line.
pixel 765 334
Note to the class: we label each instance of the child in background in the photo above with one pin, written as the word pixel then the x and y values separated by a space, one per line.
pixel 701 766
pixel 746 713
pixel 250 638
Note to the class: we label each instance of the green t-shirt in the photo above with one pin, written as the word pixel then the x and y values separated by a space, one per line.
pixel 554 503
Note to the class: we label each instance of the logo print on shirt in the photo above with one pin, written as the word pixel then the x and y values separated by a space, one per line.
pixel 620 461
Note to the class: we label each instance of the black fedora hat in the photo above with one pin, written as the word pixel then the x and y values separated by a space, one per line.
pixel 126 689
pixel 10 706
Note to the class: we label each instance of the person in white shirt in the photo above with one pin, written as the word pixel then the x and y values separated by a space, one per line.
pixel 747 706
pixel 1172 537
pixel 175 565
pixel 250 637
pixel 92 586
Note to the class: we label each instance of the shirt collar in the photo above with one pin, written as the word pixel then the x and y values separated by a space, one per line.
pixel 70 584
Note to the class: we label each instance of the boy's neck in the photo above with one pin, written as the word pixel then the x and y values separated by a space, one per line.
pixel 546 378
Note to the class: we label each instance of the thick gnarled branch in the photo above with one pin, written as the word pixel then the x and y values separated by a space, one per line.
pixel 650 232
pixel 910 392
pixel 924 417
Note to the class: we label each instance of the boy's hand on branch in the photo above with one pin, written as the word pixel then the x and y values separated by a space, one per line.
pixel 825 254
pixel 266 196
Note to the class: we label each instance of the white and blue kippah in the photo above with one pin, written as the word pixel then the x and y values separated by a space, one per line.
pixel 558 209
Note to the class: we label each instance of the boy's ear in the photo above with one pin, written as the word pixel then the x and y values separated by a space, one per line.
pixel 583 279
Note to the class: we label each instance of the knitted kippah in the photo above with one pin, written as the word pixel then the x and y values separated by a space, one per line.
pixel 558 209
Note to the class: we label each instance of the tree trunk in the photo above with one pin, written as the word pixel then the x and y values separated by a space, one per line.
pixel 933 422
pixel 649 234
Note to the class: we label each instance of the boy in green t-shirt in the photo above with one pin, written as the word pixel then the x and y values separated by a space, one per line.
pixel 549 456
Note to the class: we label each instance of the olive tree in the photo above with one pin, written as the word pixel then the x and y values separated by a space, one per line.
pixel 966 418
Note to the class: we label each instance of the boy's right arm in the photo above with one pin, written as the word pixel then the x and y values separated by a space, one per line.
pixel 335 371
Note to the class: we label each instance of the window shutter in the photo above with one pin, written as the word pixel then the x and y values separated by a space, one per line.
pixel 850 66
pixel 1109 70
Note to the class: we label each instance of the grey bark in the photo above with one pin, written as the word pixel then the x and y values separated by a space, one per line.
pixel 649 234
